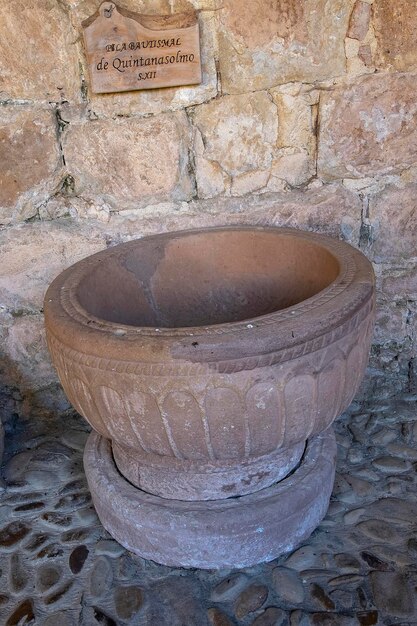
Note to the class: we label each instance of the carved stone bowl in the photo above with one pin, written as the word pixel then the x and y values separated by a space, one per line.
pixel 209 357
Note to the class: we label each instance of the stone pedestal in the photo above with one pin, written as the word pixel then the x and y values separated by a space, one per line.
pixel 216 480
pixel 235 533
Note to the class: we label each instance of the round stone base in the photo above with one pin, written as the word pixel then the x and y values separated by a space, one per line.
pixel 234 533
pixel 192 480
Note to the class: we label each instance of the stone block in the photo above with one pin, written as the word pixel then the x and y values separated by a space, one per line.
pixel 31 163
pixel 266 42
pixel 26 353
pixel 365 55
pixel 238 135
pixel 330 209
pixel 295 168
pixel 199 5
pixel 130 162
pixel 38 52
pixel 395 27
pixel 249 182
pixel 297 118
pixel 393 221
pixel 359 20
pixel 33 254
pixel 82 9
pixel 393 594
pixel 211 180
pixel 391 322
pixel 368 128
pixel 150 7
pixel 159 100
pixel 401 284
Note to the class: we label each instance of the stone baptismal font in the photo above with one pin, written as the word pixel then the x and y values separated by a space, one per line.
pixel 211 365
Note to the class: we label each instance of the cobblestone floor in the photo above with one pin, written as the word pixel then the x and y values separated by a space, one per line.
pixel 60 568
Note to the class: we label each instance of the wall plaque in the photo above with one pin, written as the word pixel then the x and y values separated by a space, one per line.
pixel 128 51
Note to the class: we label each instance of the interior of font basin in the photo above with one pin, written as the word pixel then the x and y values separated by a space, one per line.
pixel 204 278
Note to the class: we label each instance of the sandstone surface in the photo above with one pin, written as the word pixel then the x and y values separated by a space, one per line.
pixel 30 161
pixel 395 28
pixel 239 132
pixel 359 20
pixel 393 219
pixel 236 135
pixel 368 128
pixel 267 43
pixel 136 162
pixel 38 68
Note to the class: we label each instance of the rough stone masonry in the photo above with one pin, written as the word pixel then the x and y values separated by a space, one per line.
pixel 306 117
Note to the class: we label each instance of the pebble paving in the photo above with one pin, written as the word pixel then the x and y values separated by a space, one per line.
pixel 59 567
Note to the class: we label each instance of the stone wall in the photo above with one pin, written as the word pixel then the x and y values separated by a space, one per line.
pixel 306 116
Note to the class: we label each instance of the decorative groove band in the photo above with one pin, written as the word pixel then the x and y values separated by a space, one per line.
pixel 178 369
